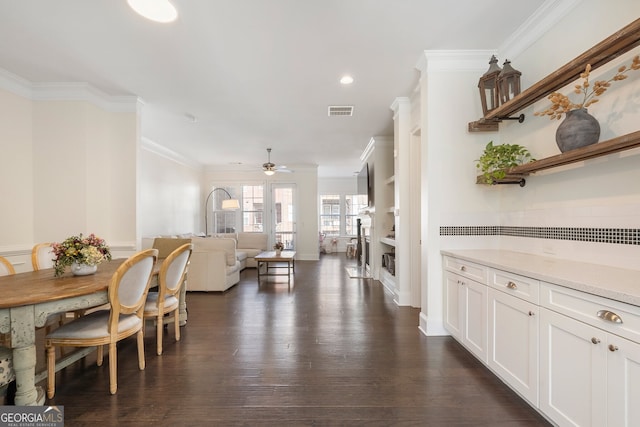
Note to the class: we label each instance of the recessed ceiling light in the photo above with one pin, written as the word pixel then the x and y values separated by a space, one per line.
pixel 156 10
pixel 346 80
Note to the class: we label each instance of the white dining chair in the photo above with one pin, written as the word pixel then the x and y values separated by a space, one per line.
pixel 42 256
pixel 165 301
pixel 127 294
pixel 6 268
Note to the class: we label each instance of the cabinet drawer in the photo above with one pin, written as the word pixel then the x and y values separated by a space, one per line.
pixel 513 284
pixel 612 316
pixel 466 269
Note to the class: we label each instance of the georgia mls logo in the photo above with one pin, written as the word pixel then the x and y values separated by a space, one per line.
pixel 31 416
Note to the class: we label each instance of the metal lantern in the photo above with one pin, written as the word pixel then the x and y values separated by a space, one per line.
pixel 488 85
pixel 508 82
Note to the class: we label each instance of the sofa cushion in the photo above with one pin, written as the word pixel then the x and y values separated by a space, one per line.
pixel 241 255
pixel 251 253
pixel 253 241
pixel 233 236
pixel 207 244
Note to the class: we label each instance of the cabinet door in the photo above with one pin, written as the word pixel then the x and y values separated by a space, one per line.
pixel 513 342
pixel 623 382
pixel 572 371
pixel 453 305
pixel 474 326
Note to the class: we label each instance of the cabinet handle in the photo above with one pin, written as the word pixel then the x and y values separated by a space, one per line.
pixel 531 313
pixel 609 316
pixel 613 347
pixel 512 285
pixel 595 340
pixel 463 268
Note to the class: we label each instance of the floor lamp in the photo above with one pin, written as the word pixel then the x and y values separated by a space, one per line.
pixel 229 204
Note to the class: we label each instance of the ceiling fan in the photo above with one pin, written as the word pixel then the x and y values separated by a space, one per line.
pixel 270 168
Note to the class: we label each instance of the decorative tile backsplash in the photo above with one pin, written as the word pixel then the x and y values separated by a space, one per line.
pixel 621 236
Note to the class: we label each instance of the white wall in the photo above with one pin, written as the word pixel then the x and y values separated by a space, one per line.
pixel 170 193
pixel 69 166
pixel 16 173
pixel 305 180
pixel 600 193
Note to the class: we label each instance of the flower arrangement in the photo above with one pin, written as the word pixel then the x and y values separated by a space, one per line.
pixel 560 104
pixel 90 250
pixel 279 246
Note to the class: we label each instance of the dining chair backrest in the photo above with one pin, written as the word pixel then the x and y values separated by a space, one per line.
pixel 42 256
pixel 6 269
pixel 166 245
pixel 173 271
pixel 129 285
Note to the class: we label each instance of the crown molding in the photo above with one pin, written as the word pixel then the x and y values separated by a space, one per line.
pixel 453 60
pixel 539 23
pixel 398 103
pixel 72 91
pixel 162 151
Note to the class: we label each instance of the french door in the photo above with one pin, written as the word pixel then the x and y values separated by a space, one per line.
pixel 283 215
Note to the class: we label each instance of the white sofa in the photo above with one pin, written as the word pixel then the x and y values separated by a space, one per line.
pixel 214 265
pixel 248 245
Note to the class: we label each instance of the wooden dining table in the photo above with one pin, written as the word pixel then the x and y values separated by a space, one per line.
pixel 27 299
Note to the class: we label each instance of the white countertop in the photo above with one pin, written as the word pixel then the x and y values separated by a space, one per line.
pixel 615 283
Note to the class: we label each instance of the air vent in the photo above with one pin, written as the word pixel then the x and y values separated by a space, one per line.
pixel 340 110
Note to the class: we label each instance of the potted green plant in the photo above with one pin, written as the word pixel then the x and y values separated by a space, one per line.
pixel 496 160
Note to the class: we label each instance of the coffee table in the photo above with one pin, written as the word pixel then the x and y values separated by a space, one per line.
pixel 270 257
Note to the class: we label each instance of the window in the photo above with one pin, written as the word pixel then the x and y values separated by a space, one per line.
pixel 353 204
pixel 253 208
pixel 251 203
pixel 339 214
pixel 330 215
pixel 223 221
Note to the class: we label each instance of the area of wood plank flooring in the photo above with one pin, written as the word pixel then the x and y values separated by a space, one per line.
pixel 332 350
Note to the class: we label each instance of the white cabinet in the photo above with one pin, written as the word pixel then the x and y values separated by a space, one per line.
pixel 474 324
pixel 588 376
pixel 513 342
pixel 623 382
pixel 573 355
pixel 452 305
pixel 465 314
pixel 572 371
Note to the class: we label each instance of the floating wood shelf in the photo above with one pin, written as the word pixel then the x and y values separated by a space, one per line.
pixel 610 48
pixel 516 175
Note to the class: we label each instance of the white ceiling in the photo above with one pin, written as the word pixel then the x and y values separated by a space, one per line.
pixel 254 73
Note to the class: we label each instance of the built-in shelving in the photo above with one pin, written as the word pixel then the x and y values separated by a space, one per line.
pixel 615 45
pixel 621 143
pixel 610 48
pixel 388 241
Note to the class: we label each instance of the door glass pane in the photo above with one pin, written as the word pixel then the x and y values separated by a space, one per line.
pixel 284 215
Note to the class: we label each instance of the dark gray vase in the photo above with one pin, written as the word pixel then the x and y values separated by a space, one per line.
pixel 578 129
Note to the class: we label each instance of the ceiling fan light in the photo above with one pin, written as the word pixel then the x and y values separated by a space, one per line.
pixel 156 10
pixel 269 172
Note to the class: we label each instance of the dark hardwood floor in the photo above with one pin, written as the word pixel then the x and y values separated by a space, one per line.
pixel 330 351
